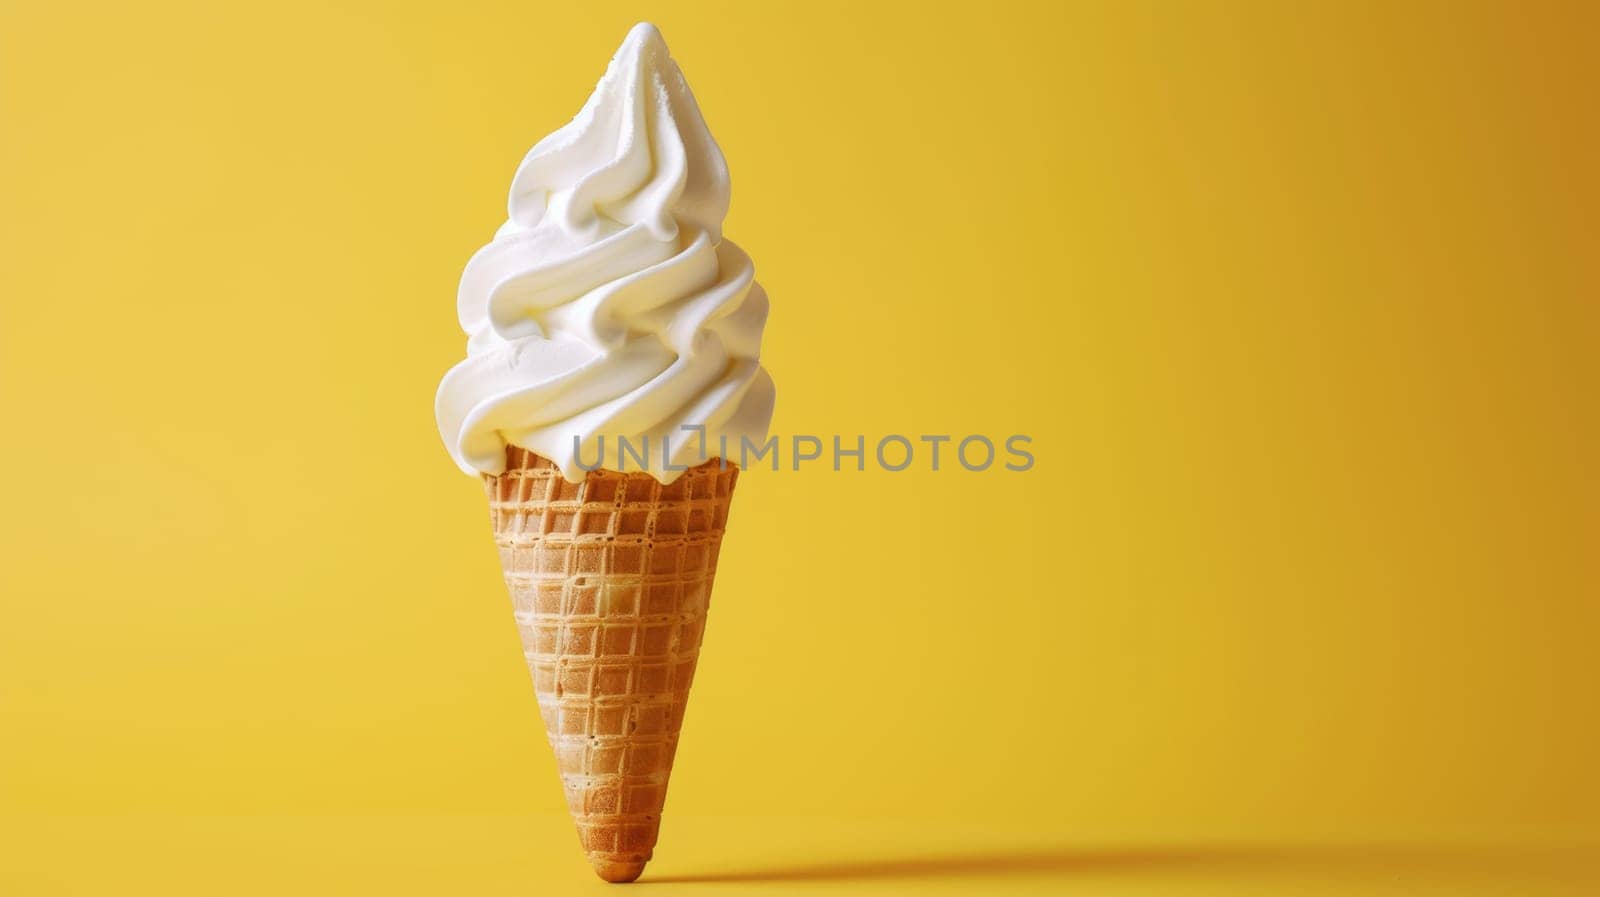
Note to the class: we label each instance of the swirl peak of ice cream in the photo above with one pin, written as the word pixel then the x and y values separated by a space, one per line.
pixel 608 307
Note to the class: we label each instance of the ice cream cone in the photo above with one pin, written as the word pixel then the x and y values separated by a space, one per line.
pixel 610 579
pixel 610 306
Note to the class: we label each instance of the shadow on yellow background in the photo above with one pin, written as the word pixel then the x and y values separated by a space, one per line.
pixel 1197 865
pixel 1297 302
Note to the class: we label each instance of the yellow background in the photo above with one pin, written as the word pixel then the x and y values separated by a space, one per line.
pixel 1298 302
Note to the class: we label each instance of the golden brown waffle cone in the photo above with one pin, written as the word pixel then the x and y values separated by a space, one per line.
pixel 610 579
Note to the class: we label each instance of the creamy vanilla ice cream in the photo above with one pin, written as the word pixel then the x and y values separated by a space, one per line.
pixel 609 306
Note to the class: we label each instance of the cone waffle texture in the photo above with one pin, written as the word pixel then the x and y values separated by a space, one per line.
pixel 610 580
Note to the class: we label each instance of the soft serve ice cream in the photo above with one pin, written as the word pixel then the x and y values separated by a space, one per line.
pixel 608 315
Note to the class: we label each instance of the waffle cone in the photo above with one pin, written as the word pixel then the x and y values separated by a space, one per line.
pixel 610 579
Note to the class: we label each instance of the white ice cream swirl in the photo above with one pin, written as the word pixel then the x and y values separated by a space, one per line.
pixel 609 305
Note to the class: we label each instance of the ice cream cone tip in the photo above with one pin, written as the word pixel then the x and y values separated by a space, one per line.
pixel 618 872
